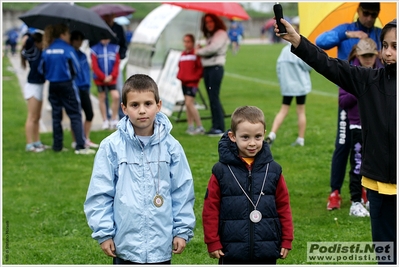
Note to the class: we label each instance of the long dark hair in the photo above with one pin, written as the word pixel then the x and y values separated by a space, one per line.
pixel 219 24
pixel 37 39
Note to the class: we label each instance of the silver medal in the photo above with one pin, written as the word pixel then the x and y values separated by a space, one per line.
pixel 255 216
pixel 158 201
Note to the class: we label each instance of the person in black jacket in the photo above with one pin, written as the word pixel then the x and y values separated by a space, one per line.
pixel 375 90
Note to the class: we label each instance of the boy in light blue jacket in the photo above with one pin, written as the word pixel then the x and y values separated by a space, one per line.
pixel 141 195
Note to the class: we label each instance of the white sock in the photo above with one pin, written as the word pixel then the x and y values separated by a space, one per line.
pixel 300 141
pixel 272 135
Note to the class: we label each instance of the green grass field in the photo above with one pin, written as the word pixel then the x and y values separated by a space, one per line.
pixel 43 194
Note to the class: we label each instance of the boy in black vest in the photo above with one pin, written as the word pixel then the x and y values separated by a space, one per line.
pixel 247 216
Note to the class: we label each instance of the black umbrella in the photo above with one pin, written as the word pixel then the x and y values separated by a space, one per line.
pixel 75 17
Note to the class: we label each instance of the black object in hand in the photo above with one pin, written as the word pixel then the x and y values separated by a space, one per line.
pixel 278 13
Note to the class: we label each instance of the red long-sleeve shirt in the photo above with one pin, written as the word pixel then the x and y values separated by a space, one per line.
pixel 211 210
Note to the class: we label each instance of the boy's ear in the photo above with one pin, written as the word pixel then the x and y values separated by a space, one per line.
pixel 159 105
pixel 232 136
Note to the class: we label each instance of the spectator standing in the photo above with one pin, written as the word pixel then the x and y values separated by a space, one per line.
pixel 294 78
pixel 12 40
pixel 59 64
pixel 33 90
pixel 121 41
pixel 344 37
pixel 235 36
pixel 364 54
pixel 247 216
pixel 190 73
pixel 83 83
pixel 105 64
pixel 133 224
pixel 375 90
pixel 213 58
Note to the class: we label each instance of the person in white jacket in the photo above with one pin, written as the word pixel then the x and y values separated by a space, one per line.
pixel 140 200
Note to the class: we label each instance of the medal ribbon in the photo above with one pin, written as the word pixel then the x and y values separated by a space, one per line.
pixel 261 191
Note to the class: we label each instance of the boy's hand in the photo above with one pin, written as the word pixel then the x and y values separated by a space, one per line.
pixel 217 254
pixel 108 247
pixel 283 253
pixel 178 245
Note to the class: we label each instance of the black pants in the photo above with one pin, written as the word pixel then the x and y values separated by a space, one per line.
pixel 223 261
pixel 64 95
pixel 86 104
pixel 213 79
pixel 121 261
pixel 355 179
pixel 383 211
pixel 341 152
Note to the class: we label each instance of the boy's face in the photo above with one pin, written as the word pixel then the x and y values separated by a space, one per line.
pixel 77 43
pixel 141 109
pixel 249 138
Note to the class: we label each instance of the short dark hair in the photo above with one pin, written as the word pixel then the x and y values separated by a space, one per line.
pixel 251 114
pixel 77 35
pixel 139 83
pixel 370 6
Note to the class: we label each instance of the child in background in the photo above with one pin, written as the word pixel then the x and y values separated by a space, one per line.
pixel 247 216
pixel 60 65
pixel 141 195
pixel 105 64
pixel 82 81
pixel 294 78
pixel 33 90
pixel 364 54
pixel 190 73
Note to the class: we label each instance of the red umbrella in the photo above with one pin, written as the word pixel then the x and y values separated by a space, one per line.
pixel 231 10
pixel 117 10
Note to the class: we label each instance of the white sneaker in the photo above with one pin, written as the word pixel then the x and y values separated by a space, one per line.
pixel 85 151
pixel 113 124
pixel 105 125
pixel 199 130
pixel 90 144
pixel 358 210
pixel 73 145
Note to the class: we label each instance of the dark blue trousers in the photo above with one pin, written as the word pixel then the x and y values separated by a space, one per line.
pixel 64 95
pixel 341 152
pixel 121 261
pixel 383 211
pixel 213 79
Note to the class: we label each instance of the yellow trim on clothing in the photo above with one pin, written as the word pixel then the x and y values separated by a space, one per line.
pixel 381 188
pixel 249 161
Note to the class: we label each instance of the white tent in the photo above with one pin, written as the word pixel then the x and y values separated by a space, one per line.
pixel 156 46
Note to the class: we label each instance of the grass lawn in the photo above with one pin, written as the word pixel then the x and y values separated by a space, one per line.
pixel 43 194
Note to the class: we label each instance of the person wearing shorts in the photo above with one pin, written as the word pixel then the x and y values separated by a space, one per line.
pixel 190 72
pixel 33 90
pixel 294 79
pixel 105 64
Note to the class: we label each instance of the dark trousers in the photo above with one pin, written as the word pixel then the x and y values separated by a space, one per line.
pixel 86 105
pixel 121 261
pixel 213 79
pixel 223 261
pixel 64 95
pixel 355 179
pixel 341 152
pixel 383 218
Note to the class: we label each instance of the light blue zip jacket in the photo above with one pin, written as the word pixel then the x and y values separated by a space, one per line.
pixel 119 202
pixel 293 74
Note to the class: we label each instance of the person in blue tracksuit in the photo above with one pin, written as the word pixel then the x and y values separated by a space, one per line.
pixel 83 83
pixel 139 203
pixel 344 37
pixel 59 64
